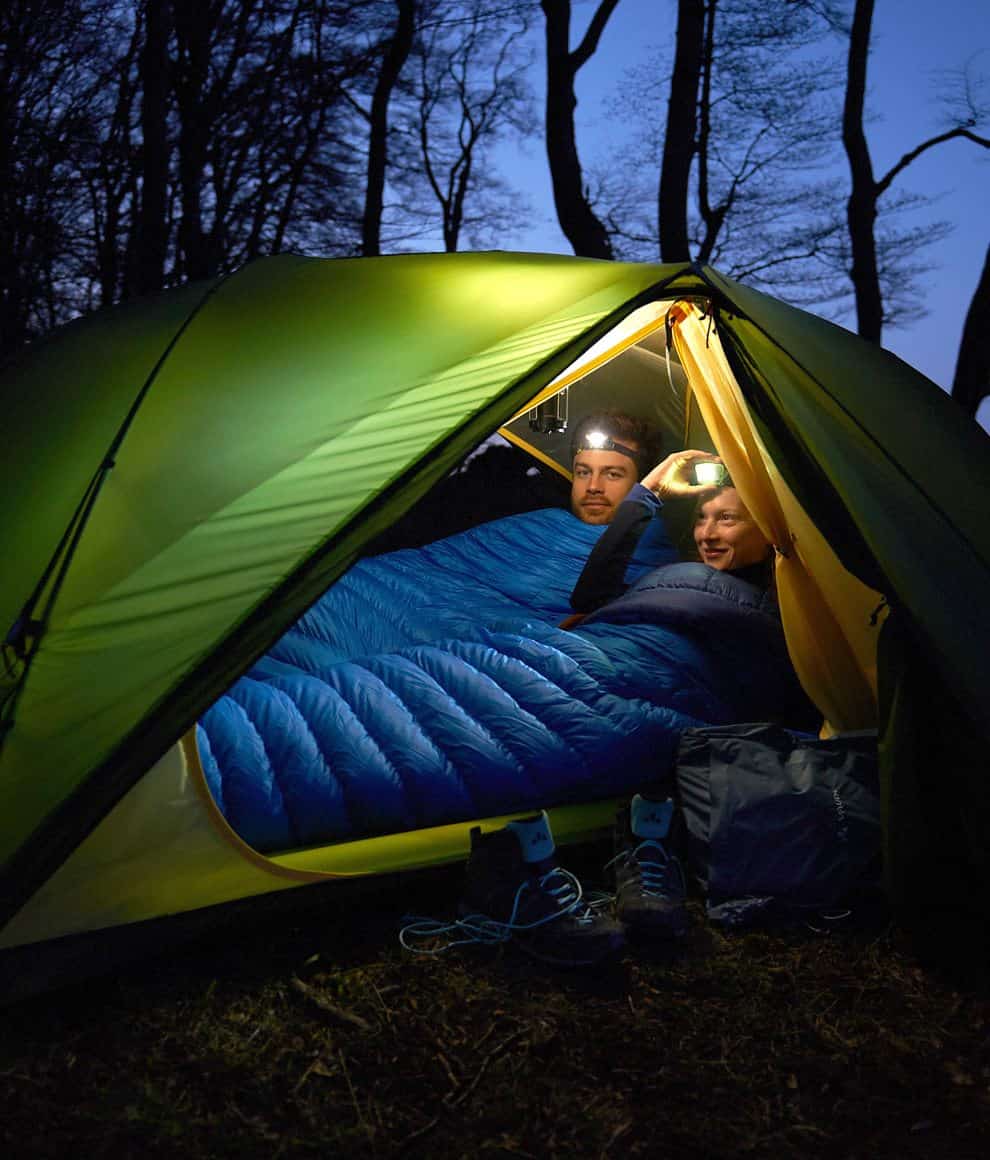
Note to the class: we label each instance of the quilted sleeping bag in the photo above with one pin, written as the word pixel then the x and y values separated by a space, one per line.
pixel 433 685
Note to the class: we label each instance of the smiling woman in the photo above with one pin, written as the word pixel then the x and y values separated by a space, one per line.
pixel 726 535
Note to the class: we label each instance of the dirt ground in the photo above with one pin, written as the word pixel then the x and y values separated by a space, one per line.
pixel 316 1035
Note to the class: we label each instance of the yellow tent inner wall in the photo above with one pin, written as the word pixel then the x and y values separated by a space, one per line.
pixel 829 616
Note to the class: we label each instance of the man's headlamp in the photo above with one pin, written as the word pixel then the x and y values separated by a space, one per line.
pixel 599 441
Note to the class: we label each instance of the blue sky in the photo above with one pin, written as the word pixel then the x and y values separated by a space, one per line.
pixel 913 40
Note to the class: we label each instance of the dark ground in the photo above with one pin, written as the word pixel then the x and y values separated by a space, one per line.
pixel 315 1035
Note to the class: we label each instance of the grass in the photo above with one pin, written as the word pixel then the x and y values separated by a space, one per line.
pixel 317 1036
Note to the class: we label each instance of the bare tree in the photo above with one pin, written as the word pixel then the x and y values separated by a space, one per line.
pixel 267 144
pixel 867 190
pixel 199 94
pixel 151 229
pixel 750 119
pixel 286 149
pixel 312 156
pixel 396 52
pixel 681 132
pixel 469 91
pixel 145 143
pixel 51 72
pixel 582 227
pixel 109 170
pixel 759 116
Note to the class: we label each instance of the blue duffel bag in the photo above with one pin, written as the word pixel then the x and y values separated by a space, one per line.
pixel 779 824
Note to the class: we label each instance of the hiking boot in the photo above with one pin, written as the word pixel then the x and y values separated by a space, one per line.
pixel 649 882
pixel 515 889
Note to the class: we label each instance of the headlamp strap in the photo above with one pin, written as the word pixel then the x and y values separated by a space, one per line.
pixel 609 444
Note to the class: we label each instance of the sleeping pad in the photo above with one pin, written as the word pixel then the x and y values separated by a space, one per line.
pixel 432 685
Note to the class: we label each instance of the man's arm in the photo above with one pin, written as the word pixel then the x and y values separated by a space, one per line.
pixel 603 577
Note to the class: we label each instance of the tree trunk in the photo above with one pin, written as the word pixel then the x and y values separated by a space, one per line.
pixel 681 136
pixel 395 57
pixel 971 384
pixel 582 228
pixel 193 29
pixel 152 231
pixel 861 209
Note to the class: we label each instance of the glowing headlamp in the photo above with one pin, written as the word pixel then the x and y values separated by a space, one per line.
pixel 711 473
pixel 599 441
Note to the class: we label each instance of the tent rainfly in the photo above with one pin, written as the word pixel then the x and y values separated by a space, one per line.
pixel 186 475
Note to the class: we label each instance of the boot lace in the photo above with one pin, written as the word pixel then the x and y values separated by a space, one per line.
pixel 430 936
pixel 653 871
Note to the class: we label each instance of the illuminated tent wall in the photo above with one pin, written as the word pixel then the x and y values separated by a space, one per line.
pixel 185 476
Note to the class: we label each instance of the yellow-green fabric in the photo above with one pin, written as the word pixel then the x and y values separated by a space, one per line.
pixel 289 413
pixel 63 402
pixel 298 393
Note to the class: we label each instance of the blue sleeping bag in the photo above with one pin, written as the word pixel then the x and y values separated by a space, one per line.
pixel 433 685
pixel 519 568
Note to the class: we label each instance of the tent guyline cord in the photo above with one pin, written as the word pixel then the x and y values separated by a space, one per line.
pixel 25 635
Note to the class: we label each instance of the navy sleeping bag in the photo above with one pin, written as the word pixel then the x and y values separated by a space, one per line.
pixel 433 685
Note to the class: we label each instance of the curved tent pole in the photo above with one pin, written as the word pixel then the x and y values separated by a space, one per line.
pixel 27 631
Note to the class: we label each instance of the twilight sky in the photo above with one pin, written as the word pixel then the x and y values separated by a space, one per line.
pixel 913 40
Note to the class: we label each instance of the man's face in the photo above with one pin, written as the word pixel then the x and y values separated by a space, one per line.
pixel 602 480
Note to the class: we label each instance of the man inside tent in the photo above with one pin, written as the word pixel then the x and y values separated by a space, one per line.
pixel 615 483
pixel 610 451
pixel 618 481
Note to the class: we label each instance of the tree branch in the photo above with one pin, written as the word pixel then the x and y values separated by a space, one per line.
pixel 959 131
pixel 593 34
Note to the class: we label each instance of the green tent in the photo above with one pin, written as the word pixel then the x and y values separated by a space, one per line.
pixel 186 475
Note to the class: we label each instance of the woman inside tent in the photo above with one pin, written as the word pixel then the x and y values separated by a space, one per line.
pixel 726 536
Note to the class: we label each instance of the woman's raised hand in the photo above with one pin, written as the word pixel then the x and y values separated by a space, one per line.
pixel 672 477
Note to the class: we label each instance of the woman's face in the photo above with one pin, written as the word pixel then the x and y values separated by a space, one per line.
pixel 726 535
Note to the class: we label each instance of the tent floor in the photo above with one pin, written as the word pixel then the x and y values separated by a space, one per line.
pixel 34 968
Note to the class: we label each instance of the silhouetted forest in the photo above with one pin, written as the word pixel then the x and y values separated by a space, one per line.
pixel 147 143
